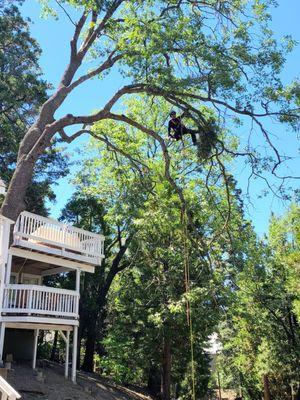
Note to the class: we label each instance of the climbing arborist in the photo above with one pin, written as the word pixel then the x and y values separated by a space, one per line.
pixel 179 129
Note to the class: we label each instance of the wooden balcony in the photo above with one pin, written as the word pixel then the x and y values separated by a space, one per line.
pixel 38 300
pixel 50 236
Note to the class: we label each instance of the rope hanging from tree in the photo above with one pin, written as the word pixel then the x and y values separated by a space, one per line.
pixel 188 304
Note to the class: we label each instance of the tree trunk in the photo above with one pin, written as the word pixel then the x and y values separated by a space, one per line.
pixel 267 394
pixel 88 362
pixel 99 347
pixel 92 334
pixel 14 200
pixel 154 381
pixel 166 370
pixel 34 143
pixel 54 347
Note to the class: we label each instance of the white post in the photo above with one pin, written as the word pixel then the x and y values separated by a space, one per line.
pixel 77 280
pixel 8 269
pixel 2 334
pixel 2 277
pixel 77 291
pixel 74 354
pixel 5 224
pixel 4 237
pixel 67 355
pixel 36 336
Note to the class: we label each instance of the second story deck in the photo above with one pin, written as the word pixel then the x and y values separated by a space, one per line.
pixel 52 237
pixel 40 301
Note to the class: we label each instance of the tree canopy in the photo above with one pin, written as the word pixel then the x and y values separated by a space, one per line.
pixel 177 240
pixel 218 60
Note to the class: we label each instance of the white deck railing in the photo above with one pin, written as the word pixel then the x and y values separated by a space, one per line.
pixel 7 391
pixel 42 300
pixel 51 236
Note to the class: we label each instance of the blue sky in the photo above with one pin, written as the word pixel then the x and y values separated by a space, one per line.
pixel 53 37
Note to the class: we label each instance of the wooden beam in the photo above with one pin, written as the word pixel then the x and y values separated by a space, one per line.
pixel 45 327
pixel 31 264
pixel 61 262
pixel 49 322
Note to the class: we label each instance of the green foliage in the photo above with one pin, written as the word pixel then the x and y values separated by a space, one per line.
pixel 261 335
pixel 147 302
pixel 219 50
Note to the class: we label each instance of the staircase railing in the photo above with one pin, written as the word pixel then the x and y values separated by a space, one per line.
pixel 7 391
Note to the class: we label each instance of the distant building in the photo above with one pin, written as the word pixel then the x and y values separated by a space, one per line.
pixel 214 349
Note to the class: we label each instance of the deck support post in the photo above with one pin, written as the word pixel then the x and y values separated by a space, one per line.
pixel 77 280
pixel 66 339
pixel 2 334
pixel 67 355
pixel 36 335
pixel 74 353
pixel 77 290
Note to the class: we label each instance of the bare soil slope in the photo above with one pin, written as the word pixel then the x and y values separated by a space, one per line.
pixel 56 387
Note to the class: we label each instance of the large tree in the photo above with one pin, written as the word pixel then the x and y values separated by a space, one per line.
pixel 147 338
pixel 218 53
pixel 22 92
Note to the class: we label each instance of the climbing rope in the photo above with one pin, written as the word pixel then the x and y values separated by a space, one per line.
pixel 188 304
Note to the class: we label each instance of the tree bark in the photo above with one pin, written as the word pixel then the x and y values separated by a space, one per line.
pixel 267 394
pixel 88 362
pixel 14 200
pixel 34 143
pixel 166 369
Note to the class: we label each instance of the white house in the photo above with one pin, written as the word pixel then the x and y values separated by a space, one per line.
pixel 30 249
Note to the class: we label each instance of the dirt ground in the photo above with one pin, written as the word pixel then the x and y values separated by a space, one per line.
pixel 56 387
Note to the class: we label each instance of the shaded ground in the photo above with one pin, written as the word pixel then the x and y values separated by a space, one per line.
pixel 56 387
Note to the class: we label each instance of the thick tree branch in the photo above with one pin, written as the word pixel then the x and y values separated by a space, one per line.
pixel 70 139
pixel 116 267
pixel 111 60
pixel 78 29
